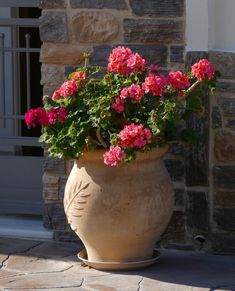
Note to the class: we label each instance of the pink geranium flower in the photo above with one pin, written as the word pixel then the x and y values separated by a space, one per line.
pixel 68 88
pixel 134 92
pixel 62 114
pixel 134 136
pixel 178 80
pixel 114 156
pixel 123 61
pixel 36 116
pixel 154 84
pixel 124 93
pixel 77 76
pixel 135 63
pixel 203 70
pixel 58 113
pixel 118 105
pixel 56 95
pixel 117 61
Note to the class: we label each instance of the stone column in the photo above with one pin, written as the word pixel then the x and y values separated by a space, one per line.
pixel 223 156
pixel 153 28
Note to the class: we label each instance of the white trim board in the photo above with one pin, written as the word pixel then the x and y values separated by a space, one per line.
pixel 210 25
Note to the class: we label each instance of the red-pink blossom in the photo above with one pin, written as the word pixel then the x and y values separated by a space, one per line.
pixel 117 61
pixel 135 63
pixel 56 95
pixel 123 61
pixel 178 80
pixel 62 114
pixel 77 76
pixel 203 70
pixel 155 84
pixel 68 88
pixel 134 136
pixel 114 156
pixel 124 93
pixel 58 113
pixel 52 115
pixel 36 116
pixel 118 105
pixel 134 92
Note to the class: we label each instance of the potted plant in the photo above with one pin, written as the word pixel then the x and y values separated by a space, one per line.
pixel 119 196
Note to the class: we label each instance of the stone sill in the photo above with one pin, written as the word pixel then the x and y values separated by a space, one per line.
pixel 23 227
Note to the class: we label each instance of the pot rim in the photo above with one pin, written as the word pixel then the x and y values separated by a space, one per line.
pixel 97 155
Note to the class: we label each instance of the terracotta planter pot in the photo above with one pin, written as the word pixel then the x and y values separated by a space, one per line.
pixel 119 212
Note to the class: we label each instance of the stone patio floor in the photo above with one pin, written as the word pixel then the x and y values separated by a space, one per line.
pixel 48 265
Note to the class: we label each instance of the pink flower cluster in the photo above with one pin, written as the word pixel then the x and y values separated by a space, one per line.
pixel 114 156
pixel 135 63
pixel 178 80
pixel 134 92
pixel 118 105
pixel 123 61
pixel 78 76
pixel 154 83
pixel 56 95
pixel 35 116
pixel 40 116
pixel 58 113
pixel 134 136
pixel 203 70
pixel 68 88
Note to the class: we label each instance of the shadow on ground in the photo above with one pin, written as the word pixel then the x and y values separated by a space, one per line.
pixel 35 265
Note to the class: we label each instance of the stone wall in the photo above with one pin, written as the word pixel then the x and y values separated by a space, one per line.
pixel 203 177
pixel 222 158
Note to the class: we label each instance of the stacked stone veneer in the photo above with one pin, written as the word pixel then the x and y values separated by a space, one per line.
pixel 222 160
pixel 156 29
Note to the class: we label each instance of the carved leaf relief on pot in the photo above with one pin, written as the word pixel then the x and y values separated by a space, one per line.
pixel 75 202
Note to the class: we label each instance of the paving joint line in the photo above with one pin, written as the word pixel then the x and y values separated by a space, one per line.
pixel 30 248
pixel 139 284
pixel 2 263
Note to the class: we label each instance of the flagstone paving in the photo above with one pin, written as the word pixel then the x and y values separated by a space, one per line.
pixel 34 265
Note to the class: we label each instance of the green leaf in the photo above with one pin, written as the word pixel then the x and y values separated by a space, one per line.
pixel 130 155
pixel 43 137
pixel 194 104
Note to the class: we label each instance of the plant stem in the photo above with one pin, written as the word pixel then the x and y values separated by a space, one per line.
pixel 193 86
pixel 52 127
pixel 94 141
pixel 190 89
pixel 100 139
pixel 86 57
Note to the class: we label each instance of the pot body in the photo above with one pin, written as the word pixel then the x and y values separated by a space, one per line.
pixel 119 212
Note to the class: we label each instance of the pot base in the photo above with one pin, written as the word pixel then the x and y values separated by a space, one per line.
pixel 108 266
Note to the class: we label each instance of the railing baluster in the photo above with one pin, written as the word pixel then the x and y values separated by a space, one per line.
pixel 2 82
pixel 27 38
pixel 15 79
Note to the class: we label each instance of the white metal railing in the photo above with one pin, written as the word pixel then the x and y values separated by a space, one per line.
pixel 14 138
